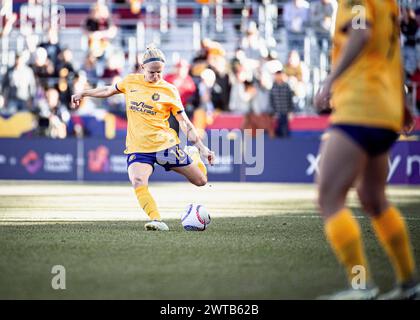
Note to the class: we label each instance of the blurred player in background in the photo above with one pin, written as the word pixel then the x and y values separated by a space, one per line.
pixel 150 140
pixel 366 88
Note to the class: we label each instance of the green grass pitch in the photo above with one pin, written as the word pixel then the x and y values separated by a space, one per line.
pixel 266 241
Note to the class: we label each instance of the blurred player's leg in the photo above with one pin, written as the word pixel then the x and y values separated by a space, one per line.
pixel 139 174
pixel 342 161
pixel 387 221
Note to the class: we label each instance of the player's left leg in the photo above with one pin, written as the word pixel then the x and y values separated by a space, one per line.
pixel 389 226
pixel 342 160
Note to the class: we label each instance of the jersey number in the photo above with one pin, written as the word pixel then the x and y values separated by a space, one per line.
pixel 179 154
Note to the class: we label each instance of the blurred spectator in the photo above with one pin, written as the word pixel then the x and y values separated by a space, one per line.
pixel 65 66
pixel 208 79
pixel 253 45
pixel 8 25
pixel 298 75
pixel 322 17
pixel 90 68
pixel 243 93
pixel 135 6
pixel 43 68
pixel 203 115
pixel 65 72
pixel 99 29
pixel 52 46
pixel 415 79
pixel 409 29
pixel 53 116
pixel 281 103
pixel 18 86
pixel 417 13
pixel 116 103
pixel 80 83
pixel 252 120
pixel 114 64
pixel 221 90
pixel 265 81
pixel 296 16
pixel 181 79
pixel 237 10
pixel 197 67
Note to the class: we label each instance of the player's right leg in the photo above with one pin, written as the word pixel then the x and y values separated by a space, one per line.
pixel 389 226
pixel 139 174
pixel 342 160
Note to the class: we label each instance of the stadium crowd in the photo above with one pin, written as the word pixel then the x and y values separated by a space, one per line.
pixel 252 81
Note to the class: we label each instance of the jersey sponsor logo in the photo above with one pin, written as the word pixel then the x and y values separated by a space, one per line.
pixel 155 97
pixel 142 107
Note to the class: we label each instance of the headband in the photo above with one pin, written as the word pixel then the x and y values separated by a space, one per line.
pixel 153 60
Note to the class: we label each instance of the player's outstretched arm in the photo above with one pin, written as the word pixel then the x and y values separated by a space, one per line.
pixel 191 133
pixel 102 92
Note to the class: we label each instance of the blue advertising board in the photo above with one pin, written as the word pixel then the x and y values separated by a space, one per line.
pixel 293 160
pixel 105 161
pixel 39 159
pixel 287 160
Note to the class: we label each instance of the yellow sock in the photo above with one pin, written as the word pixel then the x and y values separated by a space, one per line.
pixel 343 233
pixel 392 232
pixel 195 156
pixel 147 202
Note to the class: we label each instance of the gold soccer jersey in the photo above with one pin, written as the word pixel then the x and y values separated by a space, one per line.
pixel 370 92
pixel 148 108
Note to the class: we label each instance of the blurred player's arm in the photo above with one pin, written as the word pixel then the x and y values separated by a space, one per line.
pixel 358 39
pixel 191 133
pixel 102 92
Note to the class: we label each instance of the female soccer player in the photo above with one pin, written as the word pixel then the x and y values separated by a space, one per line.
pixel 366 91
pixel 150 140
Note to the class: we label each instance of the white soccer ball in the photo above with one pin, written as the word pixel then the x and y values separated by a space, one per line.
pixel 195 218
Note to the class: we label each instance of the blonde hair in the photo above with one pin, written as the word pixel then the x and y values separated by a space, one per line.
pixel 153 54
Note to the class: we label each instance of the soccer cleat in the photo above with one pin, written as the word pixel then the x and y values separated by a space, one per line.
pixel 370 293
pixel 194 154
pixel 156 225
pixel 403 292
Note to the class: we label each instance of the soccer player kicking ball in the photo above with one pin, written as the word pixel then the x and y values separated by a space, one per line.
pixel 150 140
pixel 365 89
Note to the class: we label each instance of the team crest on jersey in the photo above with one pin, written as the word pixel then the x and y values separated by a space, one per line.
pixel 132 157
pixel 155 97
